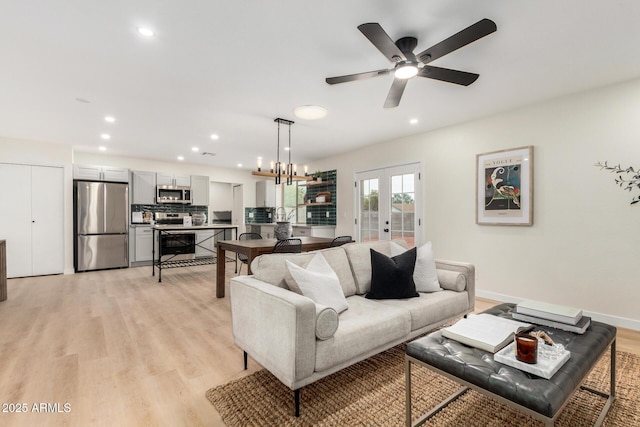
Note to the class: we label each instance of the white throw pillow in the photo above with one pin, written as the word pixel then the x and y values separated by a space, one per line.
pixel 319 282
pixel 425 274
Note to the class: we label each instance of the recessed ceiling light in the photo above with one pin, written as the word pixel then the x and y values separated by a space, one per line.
pixel 180 158
pixel 413 121
pixel 109 119
pixel 195 149
pixel 102 148
pixel 287 148
pixel 310 112
pixel 215 136
pixel 239 165
pixel 105 136
pixel 147 32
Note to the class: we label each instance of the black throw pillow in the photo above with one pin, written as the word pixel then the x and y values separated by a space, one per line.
pixel 392 278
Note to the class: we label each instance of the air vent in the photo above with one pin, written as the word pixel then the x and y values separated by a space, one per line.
pixel 206 153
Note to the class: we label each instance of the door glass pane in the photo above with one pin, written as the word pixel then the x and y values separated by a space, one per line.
pixel 403 208
pixel 369 214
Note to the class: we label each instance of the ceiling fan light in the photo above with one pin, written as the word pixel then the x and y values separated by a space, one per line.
pixel 406 71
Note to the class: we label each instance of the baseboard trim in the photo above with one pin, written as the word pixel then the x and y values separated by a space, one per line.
pixel 621 322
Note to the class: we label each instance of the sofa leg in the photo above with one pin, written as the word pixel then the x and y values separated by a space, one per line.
pixel 296 398
pixel 245 360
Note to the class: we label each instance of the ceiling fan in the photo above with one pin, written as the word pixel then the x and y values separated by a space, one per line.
pixel 408 64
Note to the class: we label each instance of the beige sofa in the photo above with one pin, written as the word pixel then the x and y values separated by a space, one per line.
pixel 300 342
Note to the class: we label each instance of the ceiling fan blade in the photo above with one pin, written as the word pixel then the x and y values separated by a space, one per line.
pixel 395 93
pixel 468 35
pixel 446 75
pixel 352 77
pixel 380 39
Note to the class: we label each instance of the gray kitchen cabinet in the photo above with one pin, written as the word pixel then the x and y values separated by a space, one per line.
pixel 312 231
pixel 100 173
pixel 199 190
pixel 171 179
pixel 266 231
pixel 143 190
pixel 204 244
pixel 266 194
pixel 32 219
pixel 143 250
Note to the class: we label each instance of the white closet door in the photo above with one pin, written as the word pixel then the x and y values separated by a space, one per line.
pixel 47 220
pixel 15 217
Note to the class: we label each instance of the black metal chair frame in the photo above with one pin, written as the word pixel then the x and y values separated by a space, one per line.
pixel 340 240
pixel 287 246
pixel 246 236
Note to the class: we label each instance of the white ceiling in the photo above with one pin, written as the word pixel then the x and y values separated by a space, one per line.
pixel 232 67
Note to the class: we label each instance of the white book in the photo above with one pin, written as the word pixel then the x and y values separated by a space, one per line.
pixel 484 331
pixel 544 310
pixel 579 328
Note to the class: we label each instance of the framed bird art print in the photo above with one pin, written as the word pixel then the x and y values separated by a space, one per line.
pixel 504 187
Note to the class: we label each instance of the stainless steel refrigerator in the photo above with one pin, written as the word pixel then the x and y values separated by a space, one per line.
pixel 101 230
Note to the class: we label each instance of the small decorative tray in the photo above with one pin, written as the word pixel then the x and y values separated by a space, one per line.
pixel 550 359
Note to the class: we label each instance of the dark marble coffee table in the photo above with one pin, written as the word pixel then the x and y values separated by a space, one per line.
pixel 477 370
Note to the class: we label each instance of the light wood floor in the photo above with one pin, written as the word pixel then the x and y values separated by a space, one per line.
pixel 122 350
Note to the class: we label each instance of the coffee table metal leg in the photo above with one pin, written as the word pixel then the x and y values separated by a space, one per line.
pixel 463 389
pixel 611 396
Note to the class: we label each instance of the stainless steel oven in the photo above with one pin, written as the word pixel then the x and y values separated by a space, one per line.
pixel 178 243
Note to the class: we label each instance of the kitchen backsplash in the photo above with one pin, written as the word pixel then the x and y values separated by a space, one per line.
pixel 170 208
pixel 260 215
pixel 319 213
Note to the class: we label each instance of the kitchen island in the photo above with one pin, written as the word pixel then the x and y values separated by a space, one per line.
pixel 178 243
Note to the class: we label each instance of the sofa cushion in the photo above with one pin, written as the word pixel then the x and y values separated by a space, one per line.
pixel 367 325
pixel 392 277
pixel 326 322
pixel 360 260
pixel 431 308
pixel 452 280
pixel 272 269
pixel 319 282
pixel 425 274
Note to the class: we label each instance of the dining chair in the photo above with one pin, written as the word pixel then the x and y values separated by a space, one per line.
pixel 246 236
pixel 340 240
pixel 287 246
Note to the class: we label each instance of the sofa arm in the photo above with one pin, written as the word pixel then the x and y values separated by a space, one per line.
pixel 275 326
pixel 469 272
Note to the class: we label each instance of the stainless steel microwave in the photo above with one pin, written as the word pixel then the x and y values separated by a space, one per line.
pixel 173 194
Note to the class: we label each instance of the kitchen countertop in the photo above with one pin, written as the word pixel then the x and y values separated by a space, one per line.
pixel 178 227
pixel 270 224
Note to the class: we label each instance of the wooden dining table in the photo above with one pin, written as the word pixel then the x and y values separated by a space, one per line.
pixel 253 248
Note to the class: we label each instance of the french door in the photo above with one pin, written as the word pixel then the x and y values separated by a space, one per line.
pixel 388 204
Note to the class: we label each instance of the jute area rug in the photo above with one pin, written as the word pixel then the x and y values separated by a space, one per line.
pixel 372 393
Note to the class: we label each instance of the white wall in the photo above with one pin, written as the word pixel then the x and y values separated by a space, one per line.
pixel 583 247
pixel 46 154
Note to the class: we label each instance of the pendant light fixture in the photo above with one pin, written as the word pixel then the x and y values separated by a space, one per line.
pixel 278 169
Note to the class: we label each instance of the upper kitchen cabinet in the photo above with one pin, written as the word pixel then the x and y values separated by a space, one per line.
pixel 170 179
pixel 199 190
pixel 100 173
pixel 266 194
pixel 33 221
pixel 143 188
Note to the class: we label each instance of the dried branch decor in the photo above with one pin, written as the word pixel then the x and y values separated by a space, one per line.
pixel 625 184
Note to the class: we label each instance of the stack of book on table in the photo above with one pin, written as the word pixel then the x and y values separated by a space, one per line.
pixel 552 315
